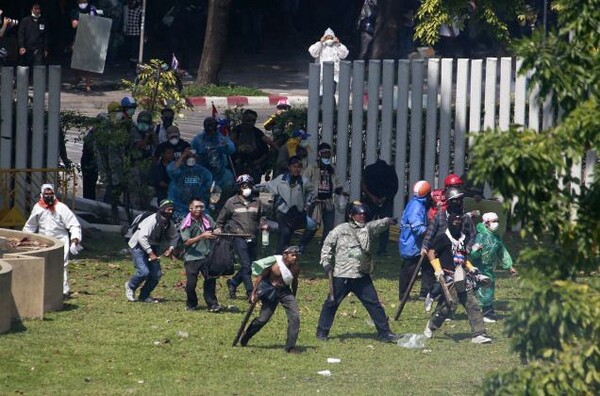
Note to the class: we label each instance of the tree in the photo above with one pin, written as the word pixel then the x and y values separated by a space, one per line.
pixel 214 42
pixel 556 327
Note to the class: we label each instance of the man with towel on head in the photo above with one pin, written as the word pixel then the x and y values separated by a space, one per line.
pixel 276 283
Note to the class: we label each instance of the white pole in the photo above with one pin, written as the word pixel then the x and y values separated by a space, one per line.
pixel 142 28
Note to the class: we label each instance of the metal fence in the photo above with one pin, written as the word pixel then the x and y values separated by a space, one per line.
pixel 416 114
pixel 29 129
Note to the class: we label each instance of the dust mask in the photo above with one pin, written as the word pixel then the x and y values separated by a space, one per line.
pixel 190 161
pixel 83 6
pixel 326 161
pixel 329 42
pixel 493 226
pixel 174 141
pixel 246 192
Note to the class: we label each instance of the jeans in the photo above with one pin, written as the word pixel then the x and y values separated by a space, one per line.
pixel 468 301
pixel 246 251
pixel 364 290
pixel 192 270
pixel 328 222
pixel 147 272
pixel 286 298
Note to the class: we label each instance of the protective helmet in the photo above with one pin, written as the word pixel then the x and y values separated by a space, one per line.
pixel 145 116
pixel 452 180
pixel 113 107
pixel 209 121
pixel 358 207
pixel 128 101
pixel 282 104
pixel 453 193
pixel 244 179
pixel 421 188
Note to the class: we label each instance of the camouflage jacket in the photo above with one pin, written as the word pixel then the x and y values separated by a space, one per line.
pixel 349 245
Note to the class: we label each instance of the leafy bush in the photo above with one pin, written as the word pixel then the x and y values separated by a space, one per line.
pixel 221 90
pixel 155 88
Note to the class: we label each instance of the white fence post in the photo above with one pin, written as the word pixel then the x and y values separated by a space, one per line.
pixel 431 125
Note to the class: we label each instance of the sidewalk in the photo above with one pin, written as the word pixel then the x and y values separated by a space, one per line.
pixel 280 75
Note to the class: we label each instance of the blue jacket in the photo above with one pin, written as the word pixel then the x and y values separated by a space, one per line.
pixel 413 226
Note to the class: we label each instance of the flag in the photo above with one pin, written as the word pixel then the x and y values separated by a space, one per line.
pixel 174 62
pixel 215 112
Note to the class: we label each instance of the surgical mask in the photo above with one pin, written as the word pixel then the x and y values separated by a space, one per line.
pixel 359 224
pixel 326 161
pixel 174 141
pixel 329 42
pixel 130 111
pixel 83 6
pixel 142 126
pixel 493 226
pixel 48 199
pixel 246 192
pixel 35 16
pixel 190 161
pixel 303 143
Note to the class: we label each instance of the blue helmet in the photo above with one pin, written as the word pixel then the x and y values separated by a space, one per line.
pixel 128 101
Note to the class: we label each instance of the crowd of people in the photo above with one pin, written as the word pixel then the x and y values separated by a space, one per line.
pixel 209 190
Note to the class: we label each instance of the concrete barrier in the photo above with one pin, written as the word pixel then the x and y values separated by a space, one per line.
pixel 6 300
pixel 36 276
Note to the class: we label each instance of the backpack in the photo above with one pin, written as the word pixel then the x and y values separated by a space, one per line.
pixel 134 226
pixel 221 257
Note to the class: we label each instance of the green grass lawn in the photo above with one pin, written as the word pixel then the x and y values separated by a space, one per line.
pixel 102 344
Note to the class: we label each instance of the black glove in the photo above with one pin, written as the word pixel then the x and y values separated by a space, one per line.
pixel 392 220
pixel 328 268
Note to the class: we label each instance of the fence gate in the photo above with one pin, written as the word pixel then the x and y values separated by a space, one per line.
pixel 416 114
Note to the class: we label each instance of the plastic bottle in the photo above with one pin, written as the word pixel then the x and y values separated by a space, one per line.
pixel 265 237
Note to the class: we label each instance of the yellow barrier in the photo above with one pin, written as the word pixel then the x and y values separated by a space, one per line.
pixel 20 189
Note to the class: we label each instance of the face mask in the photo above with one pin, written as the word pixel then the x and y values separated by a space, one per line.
pixel 246 192
pixel 493 226
pixel 174 141
pixel 359 224
pixel 83 6
pixel 119 116
pixel 190 161
pixel 130 112
pixel 48 199
pixel 304 143
pixel 326 161
pixel 329 42
pixel 454 207
pixel 142 126
pixel 36 16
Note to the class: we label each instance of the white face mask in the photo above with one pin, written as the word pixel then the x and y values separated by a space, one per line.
pixel 83 6
pixel 174 141
pixel 493 226
pixel 326 161
pixel 304 143
pixel 190 161
pixel 329 42
pixel 246 192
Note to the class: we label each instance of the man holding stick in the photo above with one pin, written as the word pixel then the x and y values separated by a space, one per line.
pixel 448 257
pixel 350 244
pixel 276 284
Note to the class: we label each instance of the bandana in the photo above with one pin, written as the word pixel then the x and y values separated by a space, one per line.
pixel 286 274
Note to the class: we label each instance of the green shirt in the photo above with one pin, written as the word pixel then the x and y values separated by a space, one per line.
pixel 200 249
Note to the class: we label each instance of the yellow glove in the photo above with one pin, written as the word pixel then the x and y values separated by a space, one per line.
pixel 437 267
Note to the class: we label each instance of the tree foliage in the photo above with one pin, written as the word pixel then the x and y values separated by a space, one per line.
pixel 555 329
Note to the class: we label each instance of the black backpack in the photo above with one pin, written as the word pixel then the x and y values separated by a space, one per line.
pixel 221 257
pixel 134 226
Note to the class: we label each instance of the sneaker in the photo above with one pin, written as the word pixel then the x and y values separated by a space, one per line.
pixel 215 308
pixel 481 339
pixel 129 292
pixel 232 290
pixel 428 332
pixel 428 302
pixel 294 351
pixel 487 319
pixel 149 300
pixel 389 337
pixel 190 308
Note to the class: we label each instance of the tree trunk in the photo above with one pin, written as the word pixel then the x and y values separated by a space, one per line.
pixel 386 29
pixel 215 41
